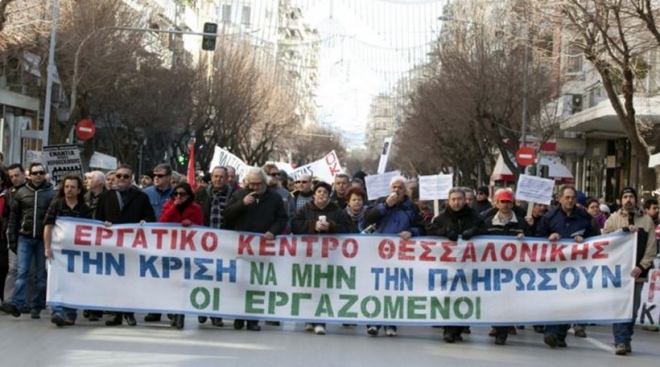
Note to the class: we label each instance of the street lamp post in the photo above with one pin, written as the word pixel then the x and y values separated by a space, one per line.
pixel 50 70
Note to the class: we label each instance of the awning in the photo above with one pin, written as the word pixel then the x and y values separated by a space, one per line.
pixel 557 170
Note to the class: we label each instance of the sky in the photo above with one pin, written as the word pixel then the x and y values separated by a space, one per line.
pixel 367 45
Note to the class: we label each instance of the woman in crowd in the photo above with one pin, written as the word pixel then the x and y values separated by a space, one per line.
pixel 356 208
pixel 181 209
pixel 320 216
pixel 593 208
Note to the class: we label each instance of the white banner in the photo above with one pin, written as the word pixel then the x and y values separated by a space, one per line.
pixel 62 161
pixel 224 158
pixel 435 187
pixel 341 279
pixel 378 186
pixel 384 155
pixel 535 189
pixel 325 168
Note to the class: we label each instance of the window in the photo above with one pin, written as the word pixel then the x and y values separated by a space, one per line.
pixel 245 15
pixel 225 16
pixel 574 60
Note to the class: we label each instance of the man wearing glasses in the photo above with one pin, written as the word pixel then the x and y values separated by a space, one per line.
pixel 255 209
pixel 25 232
pixel 302 194
pixel 125 203
pixel 159 193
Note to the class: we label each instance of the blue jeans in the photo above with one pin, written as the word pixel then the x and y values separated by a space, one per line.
pixel 29 248
pixel 65 312
pixel 623 331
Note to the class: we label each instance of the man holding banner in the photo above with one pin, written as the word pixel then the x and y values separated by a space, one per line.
pixel 458 219
pixel 565 221
pixel 630 218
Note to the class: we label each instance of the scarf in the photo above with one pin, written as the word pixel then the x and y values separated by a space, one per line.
pixel 357 218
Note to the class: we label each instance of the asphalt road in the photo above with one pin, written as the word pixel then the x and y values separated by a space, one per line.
pixel 26 343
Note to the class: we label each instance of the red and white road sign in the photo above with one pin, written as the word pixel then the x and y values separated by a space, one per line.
pixel 85 129
pixel 525 156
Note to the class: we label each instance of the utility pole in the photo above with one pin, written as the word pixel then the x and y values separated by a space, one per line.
pixel 50 70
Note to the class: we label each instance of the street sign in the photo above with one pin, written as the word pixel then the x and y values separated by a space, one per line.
pixel 85 129
pixel 525 156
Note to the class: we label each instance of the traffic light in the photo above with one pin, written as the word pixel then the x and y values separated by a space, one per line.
pixel 208 42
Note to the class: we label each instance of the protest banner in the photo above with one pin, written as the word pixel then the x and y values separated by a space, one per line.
pixel 341 279
pixel 435 187
pixel 535 189
pixel 62 161
pixel 649 310
pixel 224 158
pixel 325 168
pixel 378 186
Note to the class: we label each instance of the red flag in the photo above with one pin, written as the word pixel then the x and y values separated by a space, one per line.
pixel 191 165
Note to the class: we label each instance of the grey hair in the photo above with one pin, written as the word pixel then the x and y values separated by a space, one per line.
pixel 97 176
pixel 255 171
pixel 401 179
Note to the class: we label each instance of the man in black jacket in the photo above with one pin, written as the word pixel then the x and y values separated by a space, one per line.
pixel 122 204
pixel 255 209
pixel 25 234
pixel 457 219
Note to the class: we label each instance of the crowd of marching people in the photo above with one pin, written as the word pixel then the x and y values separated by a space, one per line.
pixel 267 201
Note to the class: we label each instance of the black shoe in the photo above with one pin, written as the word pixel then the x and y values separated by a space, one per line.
pixel 500 340
pixel 173 321
pixel 253 326
pixel 57 320
pixel 152 317
pixel 35 314
pixel 238 324
pixel 179 321
pixel 202 319
pixel 130 320
pixel 217 322
pixel 69 322
pixel 561 343
pixel 86 314
pixel 170 316
pixel 10 309
pixel 580 334
pixel 116 321
pixel 458 337
pixel 550 341
pixel 448 338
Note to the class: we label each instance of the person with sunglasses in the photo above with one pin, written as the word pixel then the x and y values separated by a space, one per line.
pixel 302 194
pixel 26 231
pixel 124 203
pixel 183 209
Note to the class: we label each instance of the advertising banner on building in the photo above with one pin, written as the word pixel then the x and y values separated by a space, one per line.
pixel 342 279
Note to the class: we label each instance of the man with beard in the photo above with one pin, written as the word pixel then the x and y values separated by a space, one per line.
pixel 458 219
pixel 565 221
pixel 124 203
pixel 630 218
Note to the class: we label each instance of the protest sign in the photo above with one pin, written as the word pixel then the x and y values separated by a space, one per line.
pixel 378 186
pixel 535 189
pixel 62 161
pixel 649 310
pixel 343 278
pixel 325 168
pixel 224 158
pixel 435 187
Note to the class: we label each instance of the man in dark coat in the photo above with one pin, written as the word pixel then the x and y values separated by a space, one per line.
pixel 124 203
pixel 458 219
pixel 255 209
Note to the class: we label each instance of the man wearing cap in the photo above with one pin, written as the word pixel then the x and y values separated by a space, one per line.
pixel 565 221
pixel 630 218
pixel 505 222
pixel 482 204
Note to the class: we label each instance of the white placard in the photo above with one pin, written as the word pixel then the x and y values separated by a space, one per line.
pixel 324 169
pixel 62 161
pixel 435 187
pixel 378 186
pixel 535 189
pixel 384 155
pixel 224 158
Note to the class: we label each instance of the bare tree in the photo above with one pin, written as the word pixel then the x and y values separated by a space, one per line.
pixel 313 143
pixel 245 104
pixel 614 37
pixel 4 4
